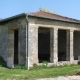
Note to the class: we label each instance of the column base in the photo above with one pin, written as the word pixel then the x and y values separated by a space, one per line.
pixel 51 59
pixel 10 62
pixel 32 61
pixel 72 60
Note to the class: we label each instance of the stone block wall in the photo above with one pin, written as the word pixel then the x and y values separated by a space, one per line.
pixel 20 24
pixel 5 47
pixel 3 42
pixel 33 45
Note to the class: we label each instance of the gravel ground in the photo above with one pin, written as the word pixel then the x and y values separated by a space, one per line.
pixel 62 78
pixel 74 77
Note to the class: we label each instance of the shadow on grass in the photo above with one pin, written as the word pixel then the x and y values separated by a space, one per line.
pixel 2 63
pixel 79 62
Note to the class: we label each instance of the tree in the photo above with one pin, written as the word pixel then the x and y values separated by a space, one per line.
pixel 44 10
pixel 47 10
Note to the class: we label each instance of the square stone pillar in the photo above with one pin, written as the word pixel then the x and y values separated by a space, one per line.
pixel 51 45
pixel 54 45
pixel 10 55
pixel 33 46
pixel 69 46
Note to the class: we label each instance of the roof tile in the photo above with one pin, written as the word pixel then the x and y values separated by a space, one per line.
pixel 53 16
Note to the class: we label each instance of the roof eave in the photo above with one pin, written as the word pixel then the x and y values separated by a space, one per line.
pixel 52 18
pixel 2 20
pixel 24 14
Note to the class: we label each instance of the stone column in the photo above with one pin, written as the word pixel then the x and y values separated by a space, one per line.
pixel 10 55
pixel 33 45
pixel 67 45
pixel 71 46
pixel 51 45
pixel 54 45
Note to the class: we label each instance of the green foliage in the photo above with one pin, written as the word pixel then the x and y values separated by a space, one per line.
pixel 67 65
pixel 44 10
pixel 47 10
pixel 45 64
pixel 37 67
pixel 73 65
pixel 2 62
pixel 38 72
pixel 23 67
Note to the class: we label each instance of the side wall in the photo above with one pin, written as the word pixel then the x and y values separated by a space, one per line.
pixel 6 41
pixel 3 42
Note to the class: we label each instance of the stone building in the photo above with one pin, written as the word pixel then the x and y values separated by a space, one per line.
pixel 31 38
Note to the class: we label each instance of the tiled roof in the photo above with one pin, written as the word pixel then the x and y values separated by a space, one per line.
pixel 53 16
pixel 46 15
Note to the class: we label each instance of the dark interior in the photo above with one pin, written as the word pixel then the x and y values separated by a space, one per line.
pixel 61 45
pixel 76 45
pixel 16 47
pixel 44 45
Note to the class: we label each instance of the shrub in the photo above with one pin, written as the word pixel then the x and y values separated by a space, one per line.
pixel 45 64
pixel 21 67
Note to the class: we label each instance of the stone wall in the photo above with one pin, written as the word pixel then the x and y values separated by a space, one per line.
pixel 3 42
pixel 33 45
pixel 6 47
pixel 57 24
pixel 71 27
pixel 34 24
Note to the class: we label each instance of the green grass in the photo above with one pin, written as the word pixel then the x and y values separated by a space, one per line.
pixel 39 72
pixel 21 72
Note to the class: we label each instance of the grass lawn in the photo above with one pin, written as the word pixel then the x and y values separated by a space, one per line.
pixel 38 72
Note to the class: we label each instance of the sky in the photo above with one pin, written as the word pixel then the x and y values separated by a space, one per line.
pixel 68 8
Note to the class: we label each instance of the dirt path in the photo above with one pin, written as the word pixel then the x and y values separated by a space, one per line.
pixel 74 77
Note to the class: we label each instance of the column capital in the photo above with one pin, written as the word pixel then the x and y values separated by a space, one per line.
pixel 55 28
pixel 71 30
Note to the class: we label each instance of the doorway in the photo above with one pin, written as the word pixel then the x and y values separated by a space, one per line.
pixel 76 45
pixel 43 44
pixel 15 46
pixel 61 45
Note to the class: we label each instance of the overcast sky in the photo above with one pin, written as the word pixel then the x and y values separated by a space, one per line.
pixel 69 8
